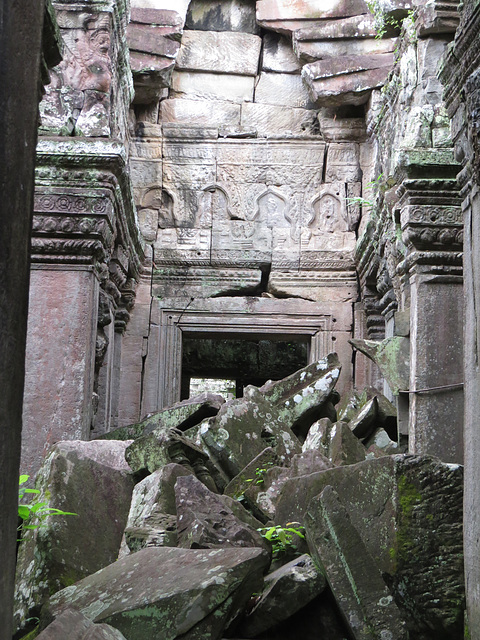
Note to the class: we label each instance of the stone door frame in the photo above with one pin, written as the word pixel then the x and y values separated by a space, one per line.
pixel 262 318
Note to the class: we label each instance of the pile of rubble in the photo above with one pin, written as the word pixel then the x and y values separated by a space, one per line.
pixel 286 513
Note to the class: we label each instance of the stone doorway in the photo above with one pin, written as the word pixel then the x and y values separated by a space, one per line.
pixel 242 359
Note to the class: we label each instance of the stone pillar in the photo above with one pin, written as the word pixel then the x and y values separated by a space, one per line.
pixel 86 255
pixel 432 230
pixel 62 329
pixel 20 52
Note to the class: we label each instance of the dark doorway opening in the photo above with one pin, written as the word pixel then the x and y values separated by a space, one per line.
pixel 240 359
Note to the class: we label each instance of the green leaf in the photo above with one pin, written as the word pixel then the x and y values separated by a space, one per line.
pixel 37 506
pixel 31 491
pixel 23 511
pixel 23 479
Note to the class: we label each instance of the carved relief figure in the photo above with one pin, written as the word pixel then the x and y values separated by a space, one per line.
pixel 87 63
pixel 271 209
pixel 328 214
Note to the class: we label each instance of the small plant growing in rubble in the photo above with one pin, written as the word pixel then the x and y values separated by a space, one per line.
pixel 282 538
pixel 33 514
pixel 260 474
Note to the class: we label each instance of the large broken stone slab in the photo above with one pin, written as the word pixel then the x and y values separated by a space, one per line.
pixel 75 626
pixel 204 521
pixel 364 599
pixel 346 79
pixel 220 52
pixel 152 520
pixel 269 416
pixel 93 480
pixel 162 446
pixel 166 592
pixel 287 590
pixel 182 415
pixel 408 511
pixel 392 356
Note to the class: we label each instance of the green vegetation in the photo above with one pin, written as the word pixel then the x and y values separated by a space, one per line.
pixel 282 538
pixel 260 474
pixel 33 514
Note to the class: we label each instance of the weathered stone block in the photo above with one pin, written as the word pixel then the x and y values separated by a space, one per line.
pixel 272 120
pixel 92 480
pixel 278 54
pixel 308 9
pixel 152 518
pixel 222 15
pixel 282 89
pixel 364 599
pixel 182 415
pixel 347 79
pixel 287 590
pixel 204 521
pixel 310 51
pixel 408 511
pixel 75 626
pixel 226 52
pixel 214 113
pixel 207 86
pixel 166 592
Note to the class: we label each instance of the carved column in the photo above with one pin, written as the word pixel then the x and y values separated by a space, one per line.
pixel 432 230
pixel 85 256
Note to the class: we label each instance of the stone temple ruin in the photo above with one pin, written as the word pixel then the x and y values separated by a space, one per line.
pixel 277 194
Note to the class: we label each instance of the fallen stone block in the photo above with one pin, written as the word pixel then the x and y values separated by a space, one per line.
pixel 343 447
pixel 75 626
pixel 181 415
pixel 253 473
pixel 408 511
pixel 364 422
pixel 152 521
pixel 166 592
pixel 92 480
pixel 335 441
pixel 364 599
pixel 204 521
pixel 163 446
pixel 392 355
pixel 287 590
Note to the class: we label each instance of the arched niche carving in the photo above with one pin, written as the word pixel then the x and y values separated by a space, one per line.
pixel 271 209
pixel 329 214
pixel 214 204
